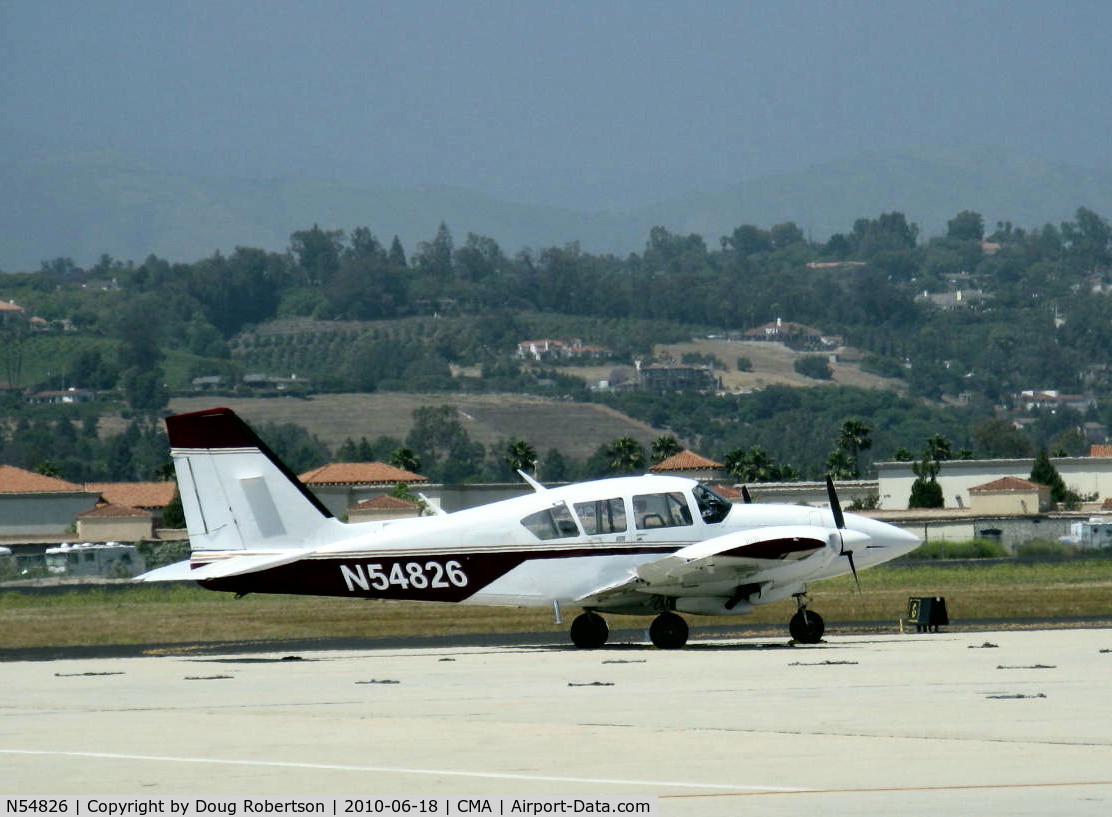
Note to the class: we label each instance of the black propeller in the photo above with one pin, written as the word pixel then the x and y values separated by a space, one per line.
pixel 840 524
pixel 748 500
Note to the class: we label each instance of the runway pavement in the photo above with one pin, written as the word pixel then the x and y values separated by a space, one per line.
pixel 989 723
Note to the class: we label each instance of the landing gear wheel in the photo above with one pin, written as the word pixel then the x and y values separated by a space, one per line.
pixel 806 627
pixel 589 631
pixel 668 632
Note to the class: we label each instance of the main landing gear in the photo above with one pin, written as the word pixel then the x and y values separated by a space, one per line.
pixel 589 631
pixel 806 626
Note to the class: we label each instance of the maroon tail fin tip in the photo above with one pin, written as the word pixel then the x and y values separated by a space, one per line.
pixel 222 428
pixel 211 428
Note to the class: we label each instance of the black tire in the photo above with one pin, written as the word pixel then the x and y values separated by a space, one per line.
pixel 806 627
pixel 589 631
pixel 668 632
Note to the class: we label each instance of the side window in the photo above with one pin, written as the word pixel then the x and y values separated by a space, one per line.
pixel 661 511
pixel 712 507
pixel 552 523
pixel 601 516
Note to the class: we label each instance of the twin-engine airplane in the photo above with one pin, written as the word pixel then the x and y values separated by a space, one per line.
pixel 638 545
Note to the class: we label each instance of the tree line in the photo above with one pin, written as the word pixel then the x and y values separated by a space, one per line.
pixel 1038 317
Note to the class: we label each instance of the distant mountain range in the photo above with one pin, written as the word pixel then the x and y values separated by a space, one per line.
pixel 83 204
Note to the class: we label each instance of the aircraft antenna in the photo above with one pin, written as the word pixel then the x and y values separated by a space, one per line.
pixel 536 485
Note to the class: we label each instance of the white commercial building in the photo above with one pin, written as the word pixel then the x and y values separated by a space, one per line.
pixel 1087 476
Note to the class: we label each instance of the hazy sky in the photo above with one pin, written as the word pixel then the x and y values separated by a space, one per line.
pixel 580 103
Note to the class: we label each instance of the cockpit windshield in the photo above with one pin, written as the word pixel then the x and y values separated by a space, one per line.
pixel 712 507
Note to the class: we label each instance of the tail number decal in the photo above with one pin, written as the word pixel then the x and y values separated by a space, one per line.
pixel 432 575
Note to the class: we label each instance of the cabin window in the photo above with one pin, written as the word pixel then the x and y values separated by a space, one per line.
pixel 552 523
pixel 712 507
pixel 661 511
pixel 601 516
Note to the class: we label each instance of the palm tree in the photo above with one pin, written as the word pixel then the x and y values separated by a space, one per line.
pixel 852 439
pixel 625 456
pixel 664 447
pixel 520 456
pixel 405 458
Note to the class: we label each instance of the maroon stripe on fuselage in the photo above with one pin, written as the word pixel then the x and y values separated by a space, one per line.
pixel 426 577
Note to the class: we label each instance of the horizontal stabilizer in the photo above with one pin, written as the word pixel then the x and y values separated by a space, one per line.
pixel 238 565
pixel 177 572
pixel 222 568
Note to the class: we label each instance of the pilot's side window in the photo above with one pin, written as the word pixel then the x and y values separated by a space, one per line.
pixel 601 516
pixel 661 511
pixel 712 507
pixel 552 523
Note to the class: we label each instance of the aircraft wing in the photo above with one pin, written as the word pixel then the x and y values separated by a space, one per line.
pixel 738 558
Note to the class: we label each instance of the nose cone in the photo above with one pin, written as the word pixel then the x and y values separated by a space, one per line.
pixel 887 541
pixel 902 540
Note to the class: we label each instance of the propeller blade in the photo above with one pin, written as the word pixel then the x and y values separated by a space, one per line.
pixel 840 524
pixel 835 506
pixel 853 569
pixel 748 500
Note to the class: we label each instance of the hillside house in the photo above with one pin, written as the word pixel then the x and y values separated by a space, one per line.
pixel 10 312
pixel 1052 400
pixel 661 378
pixel 59 397
pixel 553 351
pixel 953 299
pixel 793 335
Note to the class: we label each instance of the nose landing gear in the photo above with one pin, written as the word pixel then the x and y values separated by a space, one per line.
pixel 806 626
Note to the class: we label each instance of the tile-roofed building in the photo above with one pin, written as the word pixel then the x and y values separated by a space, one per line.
pixel 108 522
pixel 106 510
pixel 1005 484
pixel 359 473
pixel 689 464
pixel 148 495
pixel 340 485
pixel 19 481
pixel 1100 450
pixel 1009 495
pixel 384 506
pixel 11 311
pixel 35 504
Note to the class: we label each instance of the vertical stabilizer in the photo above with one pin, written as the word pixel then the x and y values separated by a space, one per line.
pixel 236 494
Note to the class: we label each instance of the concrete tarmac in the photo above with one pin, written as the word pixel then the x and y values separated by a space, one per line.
pixel 992 723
